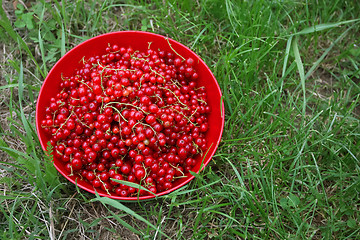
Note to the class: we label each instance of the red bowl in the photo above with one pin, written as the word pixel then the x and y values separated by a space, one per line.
pixel 138 41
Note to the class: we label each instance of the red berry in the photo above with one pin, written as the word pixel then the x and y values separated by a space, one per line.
pixel 76 164
pixel 140 173
pixel 150 119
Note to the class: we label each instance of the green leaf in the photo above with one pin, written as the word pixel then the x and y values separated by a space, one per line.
pixel 20 7
pixel 19 23
pixel 28 19
pixel 355 52
pixel 284 203
pixel 351 223
pixel 294 200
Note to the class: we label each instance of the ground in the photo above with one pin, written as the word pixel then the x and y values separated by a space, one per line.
pixel 288 163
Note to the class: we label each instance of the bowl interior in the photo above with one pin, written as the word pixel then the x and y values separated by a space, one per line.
pixel 138 41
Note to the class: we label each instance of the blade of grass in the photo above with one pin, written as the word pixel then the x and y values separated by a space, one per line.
pixel 180 191
pixel 226 216
pixel 98 17
pixel 124 223
pixel 321 58
pixel 231 15
pixel 63 35
pixel 198 36
pixel 324 26
pixel 300 67
pixel 63 39
pixel 236 173
pixel 6 24
pixel 9 86
pixel 11 217
pixel 134 185
pixel 21 97
pixel 287 51
pixel 118 205
pixel 41 44
pixel 200 212
pixel 27 161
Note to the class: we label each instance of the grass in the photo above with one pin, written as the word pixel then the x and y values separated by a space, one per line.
pixel 288 163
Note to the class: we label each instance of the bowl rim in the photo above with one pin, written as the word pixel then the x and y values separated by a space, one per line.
pixel 151 196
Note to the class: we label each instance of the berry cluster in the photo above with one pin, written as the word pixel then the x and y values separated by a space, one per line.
pixel 129 115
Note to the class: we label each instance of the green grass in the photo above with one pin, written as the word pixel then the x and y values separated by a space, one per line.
pixel 288 164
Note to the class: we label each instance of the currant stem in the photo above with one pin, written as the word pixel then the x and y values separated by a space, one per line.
pixel 64 122
pixel 198 149
pixel 193 113
pixel 155 72
pixel 116 69
pixel 177 168
pixel 186 107
pixel 85 84
pixel 82 121
pixel 82 60
pixel 117 110
pixel 195 124
pixel 175 83
pixel 126 104
pixel 167 39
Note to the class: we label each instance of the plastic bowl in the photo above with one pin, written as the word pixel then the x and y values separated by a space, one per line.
pixel 138 41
